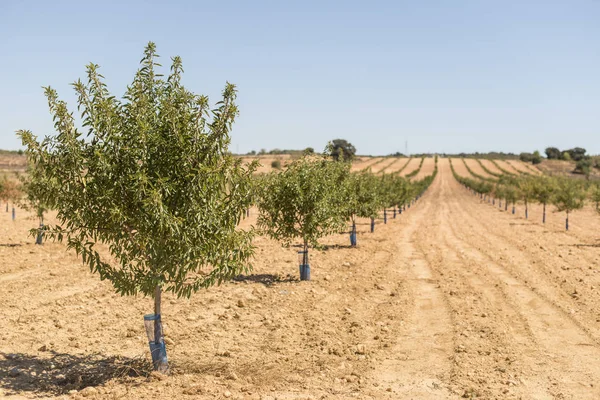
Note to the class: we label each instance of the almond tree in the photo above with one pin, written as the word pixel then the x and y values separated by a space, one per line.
pixel 543 190
pixel 305 201
pixel 526 188
pixel 153 180
pixel 361 199
pixel 569 196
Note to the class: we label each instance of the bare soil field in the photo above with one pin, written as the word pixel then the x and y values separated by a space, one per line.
pixel 12 162
pixel 364 162
pixel 454 298
pixel 491 166
pixel 476 168
pixel 383 165
pixel 565 168
pixel 427 168
pixel 413 164
pixel 507 166
pixel 524 167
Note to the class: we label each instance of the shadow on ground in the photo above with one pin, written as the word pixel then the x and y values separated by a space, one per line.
pixel 56 373
pixel 265 279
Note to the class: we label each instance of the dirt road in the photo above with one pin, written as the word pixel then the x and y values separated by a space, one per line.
pixel 452 299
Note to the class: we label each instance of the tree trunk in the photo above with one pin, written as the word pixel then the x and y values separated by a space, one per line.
pixel 567 222
pixel 526 210
pixel 161 364
pixel 544 215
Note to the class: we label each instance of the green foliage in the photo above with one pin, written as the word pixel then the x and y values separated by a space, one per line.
pixel 584 167
pixel 276 164
pixel 537 158
pixel 543 189
pixel 526 189
pixel 341 150
pixel 305 201
pixel 153 180
pixel 570 195
pixel 35 187
pixel 553 153
pixel 362 197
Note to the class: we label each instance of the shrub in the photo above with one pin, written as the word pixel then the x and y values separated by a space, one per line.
pixel 584 167
pixel 276 164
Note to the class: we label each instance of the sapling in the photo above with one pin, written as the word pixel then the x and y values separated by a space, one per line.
pixel 305 201
pixel 526 187
pixel 569 196
pixel 153 180
pixel 543 190
pixel 361 199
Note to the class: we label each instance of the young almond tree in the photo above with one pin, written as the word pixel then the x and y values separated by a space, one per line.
pixel 385 188
pixel 511 195
pixel 361 199
pixel 153 180
pixel 543 190
pixel 305 201
pixel 569 196
pixel 526 188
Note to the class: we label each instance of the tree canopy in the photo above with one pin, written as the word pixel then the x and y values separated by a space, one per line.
pixel 152 178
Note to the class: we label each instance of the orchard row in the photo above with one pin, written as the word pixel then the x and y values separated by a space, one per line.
pixel 565 194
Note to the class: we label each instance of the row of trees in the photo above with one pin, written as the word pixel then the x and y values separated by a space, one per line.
pixel 315 197
pixel 567 195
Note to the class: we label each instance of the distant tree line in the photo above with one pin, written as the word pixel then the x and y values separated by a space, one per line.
pixel 583 162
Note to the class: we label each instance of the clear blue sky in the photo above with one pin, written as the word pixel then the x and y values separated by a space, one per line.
pixel 447 76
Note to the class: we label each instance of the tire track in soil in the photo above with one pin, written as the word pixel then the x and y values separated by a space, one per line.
pixel 488 334
pixel 565 349
pixel 419 363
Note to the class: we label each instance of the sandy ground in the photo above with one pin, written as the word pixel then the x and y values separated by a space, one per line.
pixel 366 162
pixel 491 166
pixel 384 164
pixel 452 299
pixel 427 168
pixel 477 168
pixel 523 167
pixel 507 166
pixel 413 164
